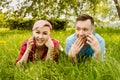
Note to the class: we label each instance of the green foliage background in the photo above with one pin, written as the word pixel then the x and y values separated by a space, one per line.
pixel 27 24
pixel 64 69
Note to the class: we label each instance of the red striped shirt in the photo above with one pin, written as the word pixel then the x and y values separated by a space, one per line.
pixel 31 54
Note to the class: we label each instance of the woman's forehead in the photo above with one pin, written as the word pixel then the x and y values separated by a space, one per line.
pixel 42 23
pixel 44 28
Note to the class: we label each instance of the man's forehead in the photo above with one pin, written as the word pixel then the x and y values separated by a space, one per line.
pixel 86 23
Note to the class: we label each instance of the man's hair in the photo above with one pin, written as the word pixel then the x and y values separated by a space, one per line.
pixel 84 17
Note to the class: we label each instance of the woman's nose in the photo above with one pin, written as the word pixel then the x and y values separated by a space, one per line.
pixel 40 36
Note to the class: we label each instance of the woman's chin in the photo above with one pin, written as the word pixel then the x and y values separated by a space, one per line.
pixel 40 44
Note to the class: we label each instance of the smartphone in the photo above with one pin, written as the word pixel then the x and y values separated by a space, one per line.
pixel 93 32
pixel 33 38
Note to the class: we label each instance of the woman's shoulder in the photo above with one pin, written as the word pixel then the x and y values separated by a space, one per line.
pixel 55 42
pixel 25 42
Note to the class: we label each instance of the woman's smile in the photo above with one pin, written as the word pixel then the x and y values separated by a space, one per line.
pixel 40 42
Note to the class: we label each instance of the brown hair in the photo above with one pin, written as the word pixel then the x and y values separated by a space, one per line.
pixel 84 17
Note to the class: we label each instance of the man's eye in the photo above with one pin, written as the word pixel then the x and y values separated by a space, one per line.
pixel 85 29
pixel 38 32
pixel 78 29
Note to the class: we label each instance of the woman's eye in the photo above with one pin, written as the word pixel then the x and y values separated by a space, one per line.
pixel 45 33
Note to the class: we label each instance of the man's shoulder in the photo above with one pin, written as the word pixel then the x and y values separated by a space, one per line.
pixel 71 37
pixel 99 37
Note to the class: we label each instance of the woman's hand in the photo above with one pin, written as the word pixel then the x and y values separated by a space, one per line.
pixel 49 43
pixel 30 43
pixel 24 58
pixel 50 53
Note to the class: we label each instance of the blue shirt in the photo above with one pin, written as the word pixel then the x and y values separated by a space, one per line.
pixel 87 50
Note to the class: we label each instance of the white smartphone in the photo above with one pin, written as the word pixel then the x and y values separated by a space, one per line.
pixel 93 32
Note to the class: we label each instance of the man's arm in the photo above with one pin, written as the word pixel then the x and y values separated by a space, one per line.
pixel 72 55
pixel 75 48
pixel 94 43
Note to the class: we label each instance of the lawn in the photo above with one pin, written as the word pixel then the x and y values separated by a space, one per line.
pixel 64 69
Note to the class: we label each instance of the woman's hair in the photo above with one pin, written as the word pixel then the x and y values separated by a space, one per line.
pixel 41 23
pixel 84 17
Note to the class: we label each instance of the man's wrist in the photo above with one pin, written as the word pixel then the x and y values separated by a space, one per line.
pixel 98 51
pixel 71 54
pixel 97 55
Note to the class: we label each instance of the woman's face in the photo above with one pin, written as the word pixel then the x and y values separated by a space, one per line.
pixel 41 35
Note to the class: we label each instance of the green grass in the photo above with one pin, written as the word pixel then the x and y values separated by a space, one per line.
pixel 64 69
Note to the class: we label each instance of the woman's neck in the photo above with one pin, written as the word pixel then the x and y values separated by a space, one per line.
pixel 40 47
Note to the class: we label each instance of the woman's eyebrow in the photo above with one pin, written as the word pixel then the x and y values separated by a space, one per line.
pixel 45 31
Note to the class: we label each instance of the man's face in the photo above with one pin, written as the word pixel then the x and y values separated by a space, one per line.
pixel 83 28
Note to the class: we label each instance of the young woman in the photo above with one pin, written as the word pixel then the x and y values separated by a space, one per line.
pixel 40 46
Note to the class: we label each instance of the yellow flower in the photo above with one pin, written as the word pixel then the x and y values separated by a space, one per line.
pixel 2 42
pixel 4 29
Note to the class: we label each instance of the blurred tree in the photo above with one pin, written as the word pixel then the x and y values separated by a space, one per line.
pixel 2 20
pixel 117 7
pixel 45 9
pixel 48 8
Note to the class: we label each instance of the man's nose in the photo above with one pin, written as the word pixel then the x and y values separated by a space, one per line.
pixel 81 32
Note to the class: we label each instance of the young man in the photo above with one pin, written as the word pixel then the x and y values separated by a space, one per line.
pixel 84 42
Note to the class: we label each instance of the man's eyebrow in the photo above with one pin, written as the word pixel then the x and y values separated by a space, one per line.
pixel 77 26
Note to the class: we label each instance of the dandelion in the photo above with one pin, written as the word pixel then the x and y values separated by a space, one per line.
pixel 2 42
pixel 4 29
pixel 26 70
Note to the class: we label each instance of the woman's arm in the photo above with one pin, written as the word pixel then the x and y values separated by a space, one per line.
pixel 50 53
pixel 24 57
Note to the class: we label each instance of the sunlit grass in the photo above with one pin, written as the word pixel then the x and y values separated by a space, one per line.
pixel 64 69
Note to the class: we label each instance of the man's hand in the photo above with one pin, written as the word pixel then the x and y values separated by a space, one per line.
pixel 93 42
pixel 76 47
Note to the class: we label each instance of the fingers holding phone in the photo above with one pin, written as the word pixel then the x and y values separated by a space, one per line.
pixel 31 41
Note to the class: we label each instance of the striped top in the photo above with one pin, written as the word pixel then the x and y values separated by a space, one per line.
pixel 87 50
pixel 31 56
